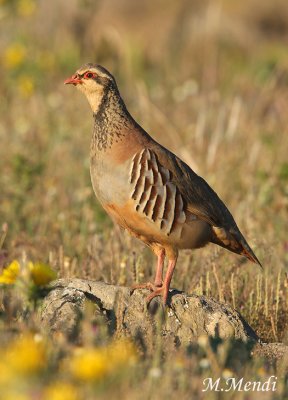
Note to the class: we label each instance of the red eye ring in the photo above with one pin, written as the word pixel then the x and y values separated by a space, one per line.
pixel 89 75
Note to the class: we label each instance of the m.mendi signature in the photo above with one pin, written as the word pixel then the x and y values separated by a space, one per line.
pixel 238 384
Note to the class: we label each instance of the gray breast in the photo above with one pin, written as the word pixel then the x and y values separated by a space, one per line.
pixel 110 181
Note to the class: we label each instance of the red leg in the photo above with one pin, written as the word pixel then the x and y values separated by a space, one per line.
pixel 164 289
pixel 159 270
pixel 158 282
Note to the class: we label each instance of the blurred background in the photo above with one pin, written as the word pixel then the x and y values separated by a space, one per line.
pixel 207 79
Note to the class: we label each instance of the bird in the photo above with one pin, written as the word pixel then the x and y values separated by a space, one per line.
pixel 147 189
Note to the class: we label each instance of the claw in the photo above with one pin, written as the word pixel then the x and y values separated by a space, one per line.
pixel 148 285
pixel 156 291
pixel 160 291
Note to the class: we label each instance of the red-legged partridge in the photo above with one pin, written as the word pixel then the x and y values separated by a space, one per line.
pixel 147 189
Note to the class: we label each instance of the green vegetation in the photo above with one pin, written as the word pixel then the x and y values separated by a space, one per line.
pixel 208 80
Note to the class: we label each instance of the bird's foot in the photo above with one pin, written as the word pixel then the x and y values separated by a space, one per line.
pixel 148 285
pixel 157 290
pixel 163 291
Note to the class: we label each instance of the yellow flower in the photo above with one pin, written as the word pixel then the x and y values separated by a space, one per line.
pixel 6 374
pixel 227 373
pixel 25 356
pixel 94 364
pixel 60 391
pixel 41 274
pixel 122 352
pixel 10 273
pixel 14 56
pixel 26 7
pixel 89 364
pixel 13 394
pixel 26 85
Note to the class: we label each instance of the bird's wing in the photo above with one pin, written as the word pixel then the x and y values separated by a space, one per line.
pixel 203 202
pixel 200 197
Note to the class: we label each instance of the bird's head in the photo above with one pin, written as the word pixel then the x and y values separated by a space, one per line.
pixel 94 81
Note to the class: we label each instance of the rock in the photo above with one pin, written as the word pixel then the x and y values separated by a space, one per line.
pixel 186 318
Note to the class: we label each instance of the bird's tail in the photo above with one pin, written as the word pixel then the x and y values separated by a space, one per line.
pixel 234 241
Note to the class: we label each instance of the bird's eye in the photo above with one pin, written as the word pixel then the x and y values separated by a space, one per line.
pixel 89 75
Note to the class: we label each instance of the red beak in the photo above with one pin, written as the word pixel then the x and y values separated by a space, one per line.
pixel 74 80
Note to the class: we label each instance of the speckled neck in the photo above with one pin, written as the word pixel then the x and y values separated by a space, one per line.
pixel 109 121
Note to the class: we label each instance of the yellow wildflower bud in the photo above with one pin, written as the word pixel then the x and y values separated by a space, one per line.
pixel 122 352
pixel 10 273
pixel 60 391
pixel 26 7
pixel 94 364
pixel 13 394
pixel 14 56
pixel 26 355
pixel 89 364
pixel 41 274
pixel 26 85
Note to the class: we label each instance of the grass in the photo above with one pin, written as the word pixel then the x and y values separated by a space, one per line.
pixel 209 81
